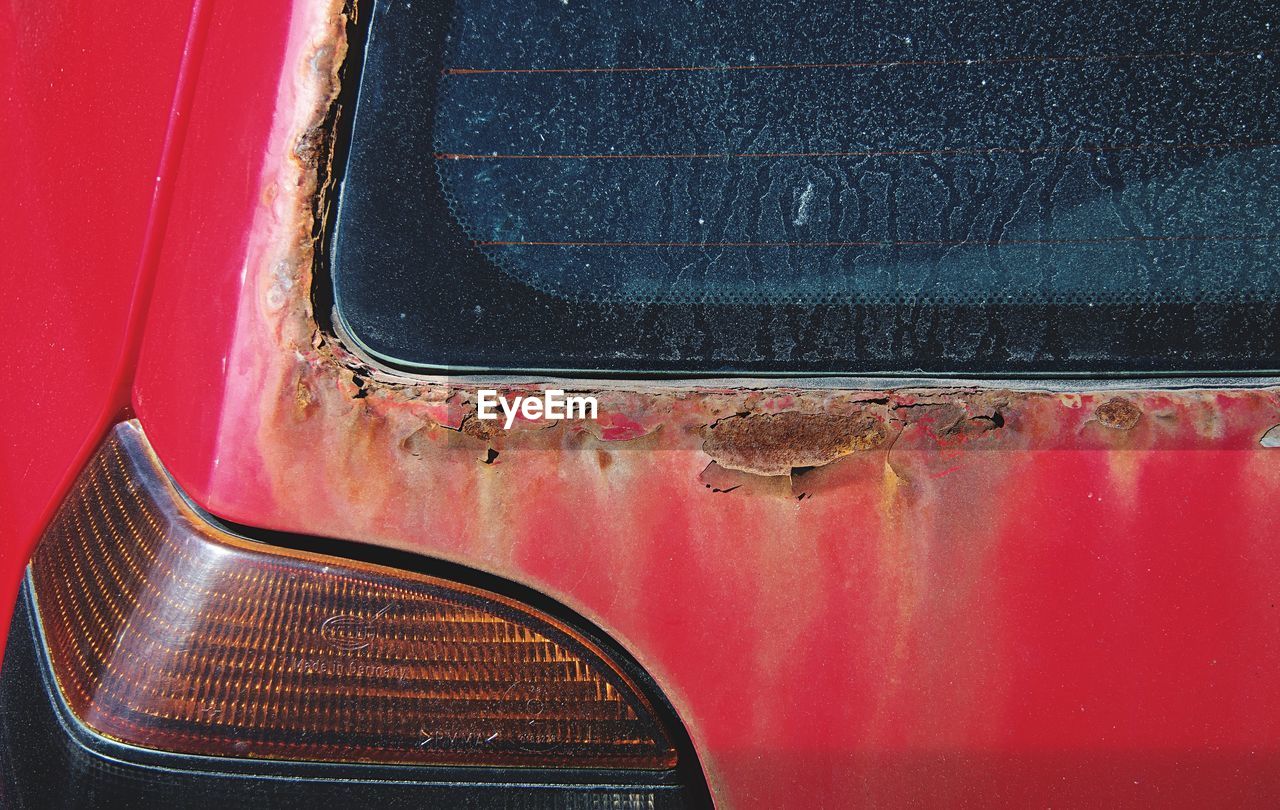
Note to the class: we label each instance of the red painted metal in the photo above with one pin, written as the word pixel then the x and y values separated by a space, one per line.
pixel 1072 605
pixel 89 132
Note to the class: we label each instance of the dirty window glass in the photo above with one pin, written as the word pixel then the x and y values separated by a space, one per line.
pixel 815 186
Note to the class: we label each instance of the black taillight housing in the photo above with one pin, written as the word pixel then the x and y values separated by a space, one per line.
pixel 155 630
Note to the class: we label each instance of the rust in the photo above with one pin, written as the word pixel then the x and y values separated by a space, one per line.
pixel 898 496
pixel 359 383
pixel 303 397
pixel 803 436
pixel 1118 413
pixel 480 429
pixel 314 145
pixel 777 443
pixel 313 149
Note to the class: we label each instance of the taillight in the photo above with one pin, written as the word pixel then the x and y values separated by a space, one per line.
pixel 167 632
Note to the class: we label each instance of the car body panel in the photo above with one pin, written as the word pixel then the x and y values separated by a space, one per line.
pixel 882 592
pixel 89 133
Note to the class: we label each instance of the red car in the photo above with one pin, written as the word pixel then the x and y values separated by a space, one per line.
pixel 564 404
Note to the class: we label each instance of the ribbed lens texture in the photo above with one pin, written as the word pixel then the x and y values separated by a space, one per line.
pixel 168 633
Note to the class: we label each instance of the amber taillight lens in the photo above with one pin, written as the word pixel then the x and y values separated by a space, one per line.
pixel 167 632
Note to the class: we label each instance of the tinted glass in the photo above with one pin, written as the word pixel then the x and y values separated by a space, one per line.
pixel 815 186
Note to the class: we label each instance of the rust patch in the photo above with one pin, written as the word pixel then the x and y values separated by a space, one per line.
pixel 303 397
pixel 718 479
pixel 312 147
pixel 797 441
pixel 755 437
pixel 476 428
pixel 777 443
pixel 1118 413
pixel 893 493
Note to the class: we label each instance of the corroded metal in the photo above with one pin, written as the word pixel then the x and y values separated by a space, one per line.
pixel 835 585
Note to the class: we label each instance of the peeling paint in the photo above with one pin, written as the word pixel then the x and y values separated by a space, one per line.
pixel 852 541
pixel 777 443
pixel 1118 413
pixel 1271 438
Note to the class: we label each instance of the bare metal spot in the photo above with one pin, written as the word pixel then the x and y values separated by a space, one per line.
pixel 722 479
pixel 1118 413
pixel 415 444
pixel 718 479
pixel 275 298
pixel 1271 438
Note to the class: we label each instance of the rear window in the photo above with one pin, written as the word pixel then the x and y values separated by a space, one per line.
pixel 712 187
